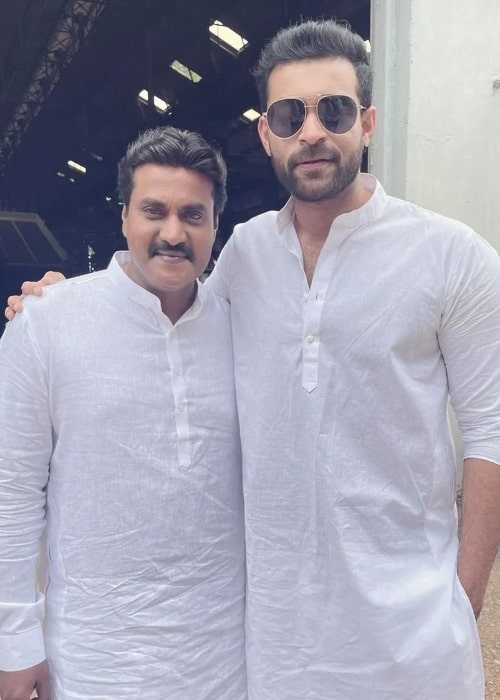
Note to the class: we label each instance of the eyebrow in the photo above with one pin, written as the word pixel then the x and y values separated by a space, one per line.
pixel 191 206
pixel 150 201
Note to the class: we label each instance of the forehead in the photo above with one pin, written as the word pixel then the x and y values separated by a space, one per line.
pixel 172 185
pixel 321 76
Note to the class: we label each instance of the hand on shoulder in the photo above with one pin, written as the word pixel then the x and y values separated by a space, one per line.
pixel 15 302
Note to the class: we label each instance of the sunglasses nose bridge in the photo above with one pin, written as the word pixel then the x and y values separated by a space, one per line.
pixel 312 129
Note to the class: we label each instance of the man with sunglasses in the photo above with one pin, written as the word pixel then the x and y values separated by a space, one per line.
pixel 355 316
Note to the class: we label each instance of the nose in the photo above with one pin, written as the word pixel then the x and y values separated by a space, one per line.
pixel 172 230
pixel 312 130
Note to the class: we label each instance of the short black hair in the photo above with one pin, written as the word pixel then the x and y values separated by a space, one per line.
pixel 179 149
pixel 310 40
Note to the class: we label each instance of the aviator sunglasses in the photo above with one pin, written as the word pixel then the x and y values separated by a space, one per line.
pixel 337 113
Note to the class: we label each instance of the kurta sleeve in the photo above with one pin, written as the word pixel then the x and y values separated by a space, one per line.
pixel 25 449
pixel 470 342
pixel 218 280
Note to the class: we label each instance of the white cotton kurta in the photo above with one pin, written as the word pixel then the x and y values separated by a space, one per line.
pixel 348 463
pixel 137 420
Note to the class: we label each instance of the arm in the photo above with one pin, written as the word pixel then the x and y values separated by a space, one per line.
pixel 25 450
pixel 480 528
pixel 470 343
pixel 217 281
pixel 15 302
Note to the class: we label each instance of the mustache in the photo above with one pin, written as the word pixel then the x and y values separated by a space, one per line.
pixel 314 152
pixel 165 247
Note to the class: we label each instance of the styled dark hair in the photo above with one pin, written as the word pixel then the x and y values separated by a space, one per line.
pixel 178 148
pixel 310 40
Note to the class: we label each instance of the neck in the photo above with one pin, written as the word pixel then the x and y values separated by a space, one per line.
pixel 175 304
pixel 317 218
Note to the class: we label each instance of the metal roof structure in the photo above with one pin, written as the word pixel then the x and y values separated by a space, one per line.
pixel 71 76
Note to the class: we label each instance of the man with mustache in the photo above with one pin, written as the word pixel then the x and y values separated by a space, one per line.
pixel 355 317
pixel 118 418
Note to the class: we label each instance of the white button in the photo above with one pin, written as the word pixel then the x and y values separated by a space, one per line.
pixel 306 297
pixel 310 339
pixel 182 408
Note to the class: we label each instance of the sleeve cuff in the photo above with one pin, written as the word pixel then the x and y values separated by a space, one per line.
pixel 20 651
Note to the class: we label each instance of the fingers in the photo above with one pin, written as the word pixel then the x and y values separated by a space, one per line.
pixel 15 302
pixel 51 277
pixel 14 306
pixel 36 288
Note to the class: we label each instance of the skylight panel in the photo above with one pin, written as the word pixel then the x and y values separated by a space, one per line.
pixel 250 115
pixel 77 166
pixel 186 72
pixel 227 38
pixel 160 105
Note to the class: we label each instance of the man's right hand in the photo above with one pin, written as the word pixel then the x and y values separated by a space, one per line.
pixel 19 685
pixel 15 303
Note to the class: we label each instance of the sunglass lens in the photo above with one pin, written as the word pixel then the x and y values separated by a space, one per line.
pixel 285 117
pixel 337 113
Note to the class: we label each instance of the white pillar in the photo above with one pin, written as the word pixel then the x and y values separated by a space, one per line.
pixel 437 88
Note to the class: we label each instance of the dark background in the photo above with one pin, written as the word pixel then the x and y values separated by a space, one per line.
pixel 70 74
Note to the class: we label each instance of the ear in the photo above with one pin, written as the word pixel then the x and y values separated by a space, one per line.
pixel 264 134
pixel 216 225
pixel 369 123
pixel 124 221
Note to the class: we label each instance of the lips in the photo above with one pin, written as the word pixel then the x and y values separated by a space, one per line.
pixel 314 157
pixel 316 161
pixel 172 258
pixel 312 165
pixel 171 254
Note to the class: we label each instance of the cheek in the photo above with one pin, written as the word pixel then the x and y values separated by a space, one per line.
pixel 351 148
pixel 280 153
pixel 203 247
pixel 139 233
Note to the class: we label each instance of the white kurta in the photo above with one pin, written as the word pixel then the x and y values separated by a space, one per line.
pixel 348 463
pixel 136 420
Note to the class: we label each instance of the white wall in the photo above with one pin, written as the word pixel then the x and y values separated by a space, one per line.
pixel 436 64
pixel 437 89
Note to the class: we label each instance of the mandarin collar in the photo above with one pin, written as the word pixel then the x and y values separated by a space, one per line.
pixel 369 212
pixel 142 296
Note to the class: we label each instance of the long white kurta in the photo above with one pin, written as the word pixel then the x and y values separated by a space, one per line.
pixel 348 464
pixel 137 420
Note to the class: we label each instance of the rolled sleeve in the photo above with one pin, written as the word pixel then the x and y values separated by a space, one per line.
pixel 470 342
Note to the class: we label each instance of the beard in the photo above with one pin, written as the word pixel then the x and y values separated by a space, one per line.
pixel 314 186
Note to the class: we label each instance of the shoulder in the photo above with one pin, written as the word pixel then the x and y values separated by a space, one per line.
pixel 425 221
pixel 250 237
pixel 439 238
pixel 73 288
pixel 255 227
